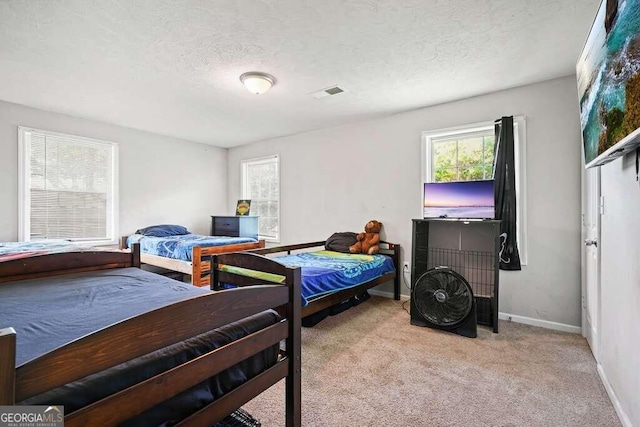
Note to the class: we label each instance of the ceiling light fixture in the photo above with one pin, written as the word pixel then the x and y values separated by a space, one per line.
pixel 257 82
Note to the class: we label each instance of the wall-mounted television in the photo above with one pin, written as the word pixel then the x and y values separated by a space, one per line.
pixel 608 73
pixel 464 200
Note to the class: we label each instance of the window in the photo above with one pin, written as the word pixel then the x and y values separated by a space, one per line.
pixel 466 153
pixel 68 187
pixel 261 184
pixel 462 157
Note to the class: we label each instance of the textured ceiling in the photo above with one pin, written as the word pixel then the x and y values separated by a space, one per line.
pixel 172 67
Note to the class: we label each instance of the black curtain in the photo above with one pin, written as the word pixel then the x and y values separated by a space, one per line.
pixel 505 194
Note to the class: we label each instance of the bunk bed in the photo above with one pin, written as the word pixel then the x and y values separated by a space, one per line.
pixel 261 266
pixel 149 362
pixel 188 254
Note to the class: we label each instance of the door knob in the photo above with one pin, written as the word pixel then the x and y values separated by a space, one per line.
pixel 591 242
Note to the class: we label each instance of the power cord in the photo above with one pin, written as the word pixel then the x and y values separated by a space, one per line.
pixel 405 269
pixel 405 308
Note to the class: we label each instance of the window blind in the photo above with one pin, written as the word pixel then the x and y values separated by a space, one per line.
pixel 262 186
pixel 70 187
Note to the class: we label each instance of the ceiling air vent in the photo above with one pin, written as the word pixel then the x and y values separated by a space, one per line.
pixel 329 91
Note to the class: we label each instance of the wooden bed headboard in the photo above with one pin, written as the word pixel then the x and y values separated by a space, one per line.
pixel 67 262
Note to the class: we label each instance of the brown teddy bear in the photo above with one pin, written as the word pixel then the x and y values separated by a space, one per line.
pixel 368 241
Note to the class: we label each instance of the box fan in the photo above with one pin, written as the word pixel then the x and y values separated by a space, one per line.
pixel 443 299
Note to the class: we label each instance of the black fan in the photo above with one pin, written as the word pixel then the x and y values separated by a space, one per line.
pixel 443 299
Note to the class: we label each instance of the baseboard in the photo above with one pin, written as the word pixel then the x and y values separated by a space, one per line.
pixel 387 294
pixel 624 419
pixel 541 323
pixel 505 316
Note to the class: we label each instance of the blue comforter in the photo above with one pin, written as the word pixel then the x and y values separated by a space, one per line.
pixel 12 250
pixel 181 247
pixel 327 271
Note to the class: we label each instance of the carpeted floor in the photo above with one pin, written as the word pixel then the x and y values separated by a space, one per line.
pixel 369 367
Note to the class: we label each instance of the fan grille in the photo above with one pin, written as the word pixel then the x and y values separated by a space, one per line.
pixel 443 297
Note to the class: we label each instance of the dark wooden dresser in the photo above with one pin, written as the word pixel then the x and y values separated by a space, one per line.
pixel 234 226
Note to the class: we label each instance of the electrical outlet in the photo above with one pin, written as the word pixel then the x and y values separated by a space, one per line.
pixel 406 266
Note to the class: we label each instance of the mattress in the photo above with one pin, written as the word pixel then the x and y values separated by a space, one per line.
pixel 180 247
pixel 50 312
pixel 325 272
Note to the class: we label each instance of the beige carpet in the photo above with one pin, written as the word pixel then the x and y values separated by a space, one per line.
pixel 369 367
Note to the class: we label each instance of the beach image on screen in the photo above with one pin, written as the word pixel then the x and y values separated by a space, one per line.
pixel 608 73
pixel 469 199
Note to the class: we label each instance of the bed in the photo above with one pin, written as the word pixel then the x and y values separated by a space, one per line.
pixel 123 353
pixel 15 250
pixel 322 281
pixel 188 253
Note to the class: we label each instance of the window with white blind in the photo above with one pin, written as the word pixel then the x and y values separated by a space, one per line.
pixel 261 184
pixel 68 187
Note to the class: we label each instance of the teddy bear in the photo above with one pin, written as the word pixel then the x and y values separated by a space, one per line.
pixel 368 242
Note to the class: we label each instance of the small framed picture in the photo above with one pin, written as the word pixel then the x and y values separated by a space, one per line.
pixel 243 207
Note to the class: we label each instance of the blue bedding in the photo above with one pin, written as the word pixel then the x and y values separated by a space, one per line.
pixel 324 272
pixel 52 311
pixel 63 308
pixel 13 250
pixel 181 246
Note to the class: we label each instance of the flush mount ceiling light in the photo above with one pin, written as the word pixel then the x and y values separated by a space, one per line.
pixel 257 82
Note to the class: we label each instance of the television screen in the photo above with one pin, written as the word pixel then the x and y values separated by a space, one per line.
pixel 608 73
pixel 467 199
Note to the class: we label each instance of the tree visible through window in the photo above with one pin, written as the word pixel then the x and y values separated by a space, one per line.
pixel 261 184
pixel 462 159
pixel 467 153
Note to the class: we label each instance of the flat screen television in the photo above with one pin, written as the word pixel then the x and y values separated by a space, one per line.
pixel 608 73
pixel 464 200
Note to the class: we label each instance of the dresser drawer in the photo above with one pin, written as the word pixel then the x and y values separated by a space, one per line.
pixel 226 222
pixel 226 231
pixel 225 227
pixel 235 226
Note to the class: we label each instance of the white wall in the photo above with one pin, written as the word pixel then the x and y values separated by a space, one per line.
pixel 620 285
pixel 337 179
pixel 161 179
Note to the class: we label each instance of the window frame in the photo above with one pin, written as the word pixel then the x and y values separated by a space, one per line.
pixel 244 190
pixel 24 186
pixel 520 149
pixel 443 138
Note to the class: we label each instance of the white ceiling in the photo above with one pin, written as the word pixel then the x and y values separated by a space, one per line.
pixel 172 67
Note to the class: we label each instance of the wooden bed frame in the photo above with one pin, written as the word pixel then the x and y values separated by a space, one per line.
pixel 256 260
pixel 151 331
pixel 200 266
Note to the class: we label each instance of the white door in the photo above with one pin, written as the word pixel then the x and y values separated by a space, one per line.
pixel 591 211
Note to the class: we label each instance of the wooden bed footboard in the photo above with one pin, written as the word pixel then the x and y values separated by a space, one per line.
pixel 199 268
pixel 201 272
pixel 156 329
